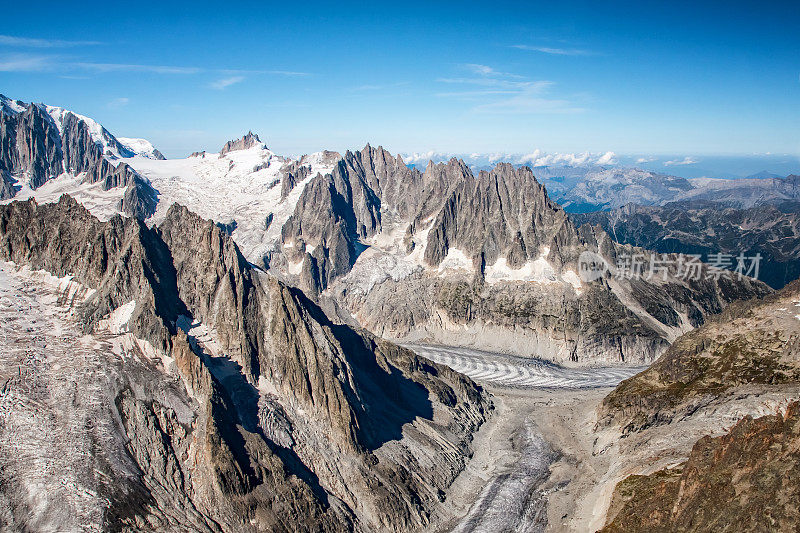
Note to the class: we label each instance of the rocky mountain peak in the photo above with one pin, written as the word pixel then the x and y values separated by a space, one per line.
pixel 248 141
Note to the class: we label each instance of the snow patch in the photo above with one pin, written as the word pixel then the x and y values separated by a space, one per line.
pixel 296 268
pixel 227 188
pixel 375 266
pixel 420 240
pixel 117 321
pixel 99 134
pixel 455 260
pixel 100 203
pixel 12 104
pixel 538 271
pixel 266 386
pixel 69 290
pixel 200 334
pixel 572 278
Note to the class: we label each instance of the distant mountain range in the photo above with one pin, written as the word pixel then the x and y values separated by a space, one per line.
pixel 705 228
pixel 442 255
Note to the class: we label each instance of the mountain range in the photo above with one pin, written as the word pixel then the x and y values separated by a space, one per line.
pixel 441 256
pixel 244 341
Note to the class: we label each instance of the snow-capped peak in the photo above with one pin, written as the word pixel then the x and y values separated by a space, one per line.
pixel 141 147
pixel 101 136
pixel 12 106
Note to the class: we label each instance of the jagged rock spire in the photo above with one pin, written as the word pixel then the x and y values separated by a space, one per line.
pixel 248 141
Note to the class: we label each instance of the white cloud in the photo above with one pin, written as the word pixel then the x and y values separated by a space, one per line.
pixel 553 51
pixel 129 67
pixel 423 157
pixel 540 159
pixel 31 62
pixel 486 70
pixel 500 83
pixel 483 70
pixel 378 87
pixel 537 158
pixel 685 161
pixel 287 73
pixel 119 102
pixel 24 63
pixel 25 42
pixel 645 159
pixel 529 100
pixel 608 158
pixel 226 82
pixel 504 95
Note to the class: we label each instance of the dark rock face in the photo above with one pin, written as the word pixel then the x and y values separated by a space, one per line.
pixel 505 212
pixel 33 150
pixel 248 141
pixel 140 199
pixel 30 146
pixel 705 228
pixel 747 480
pixel 8 186
pixel 751 342
pixel 299 424
pixel 337 210
pixel 122 259
pixel 291 176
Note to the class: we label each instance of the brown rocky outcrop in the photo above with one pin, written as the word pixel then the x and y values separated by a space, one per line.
pixel 746 480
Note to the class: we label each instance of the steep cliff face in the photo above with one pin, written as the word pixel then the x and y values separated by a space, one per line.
pixel 30 145
pixel 279 420
pixel 746 480
pixel 501 213
pixel 39 143
pixel 122 260
pixel 488 261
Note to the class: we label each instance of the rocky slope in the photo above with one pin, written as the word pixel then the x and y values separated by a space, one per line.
pixel 749 344
pixel 488 261
pixel 746 480
pixel 741 364
pixel 706 228
pixel 248 141
pixel 229 401
pixel 39 143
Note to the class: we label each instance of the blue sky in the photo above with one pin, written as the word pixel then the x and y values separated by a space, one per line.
pixel 684 78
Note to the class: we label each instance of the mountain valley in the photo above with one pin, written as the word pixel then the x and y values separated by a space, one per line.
pixel 245 341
